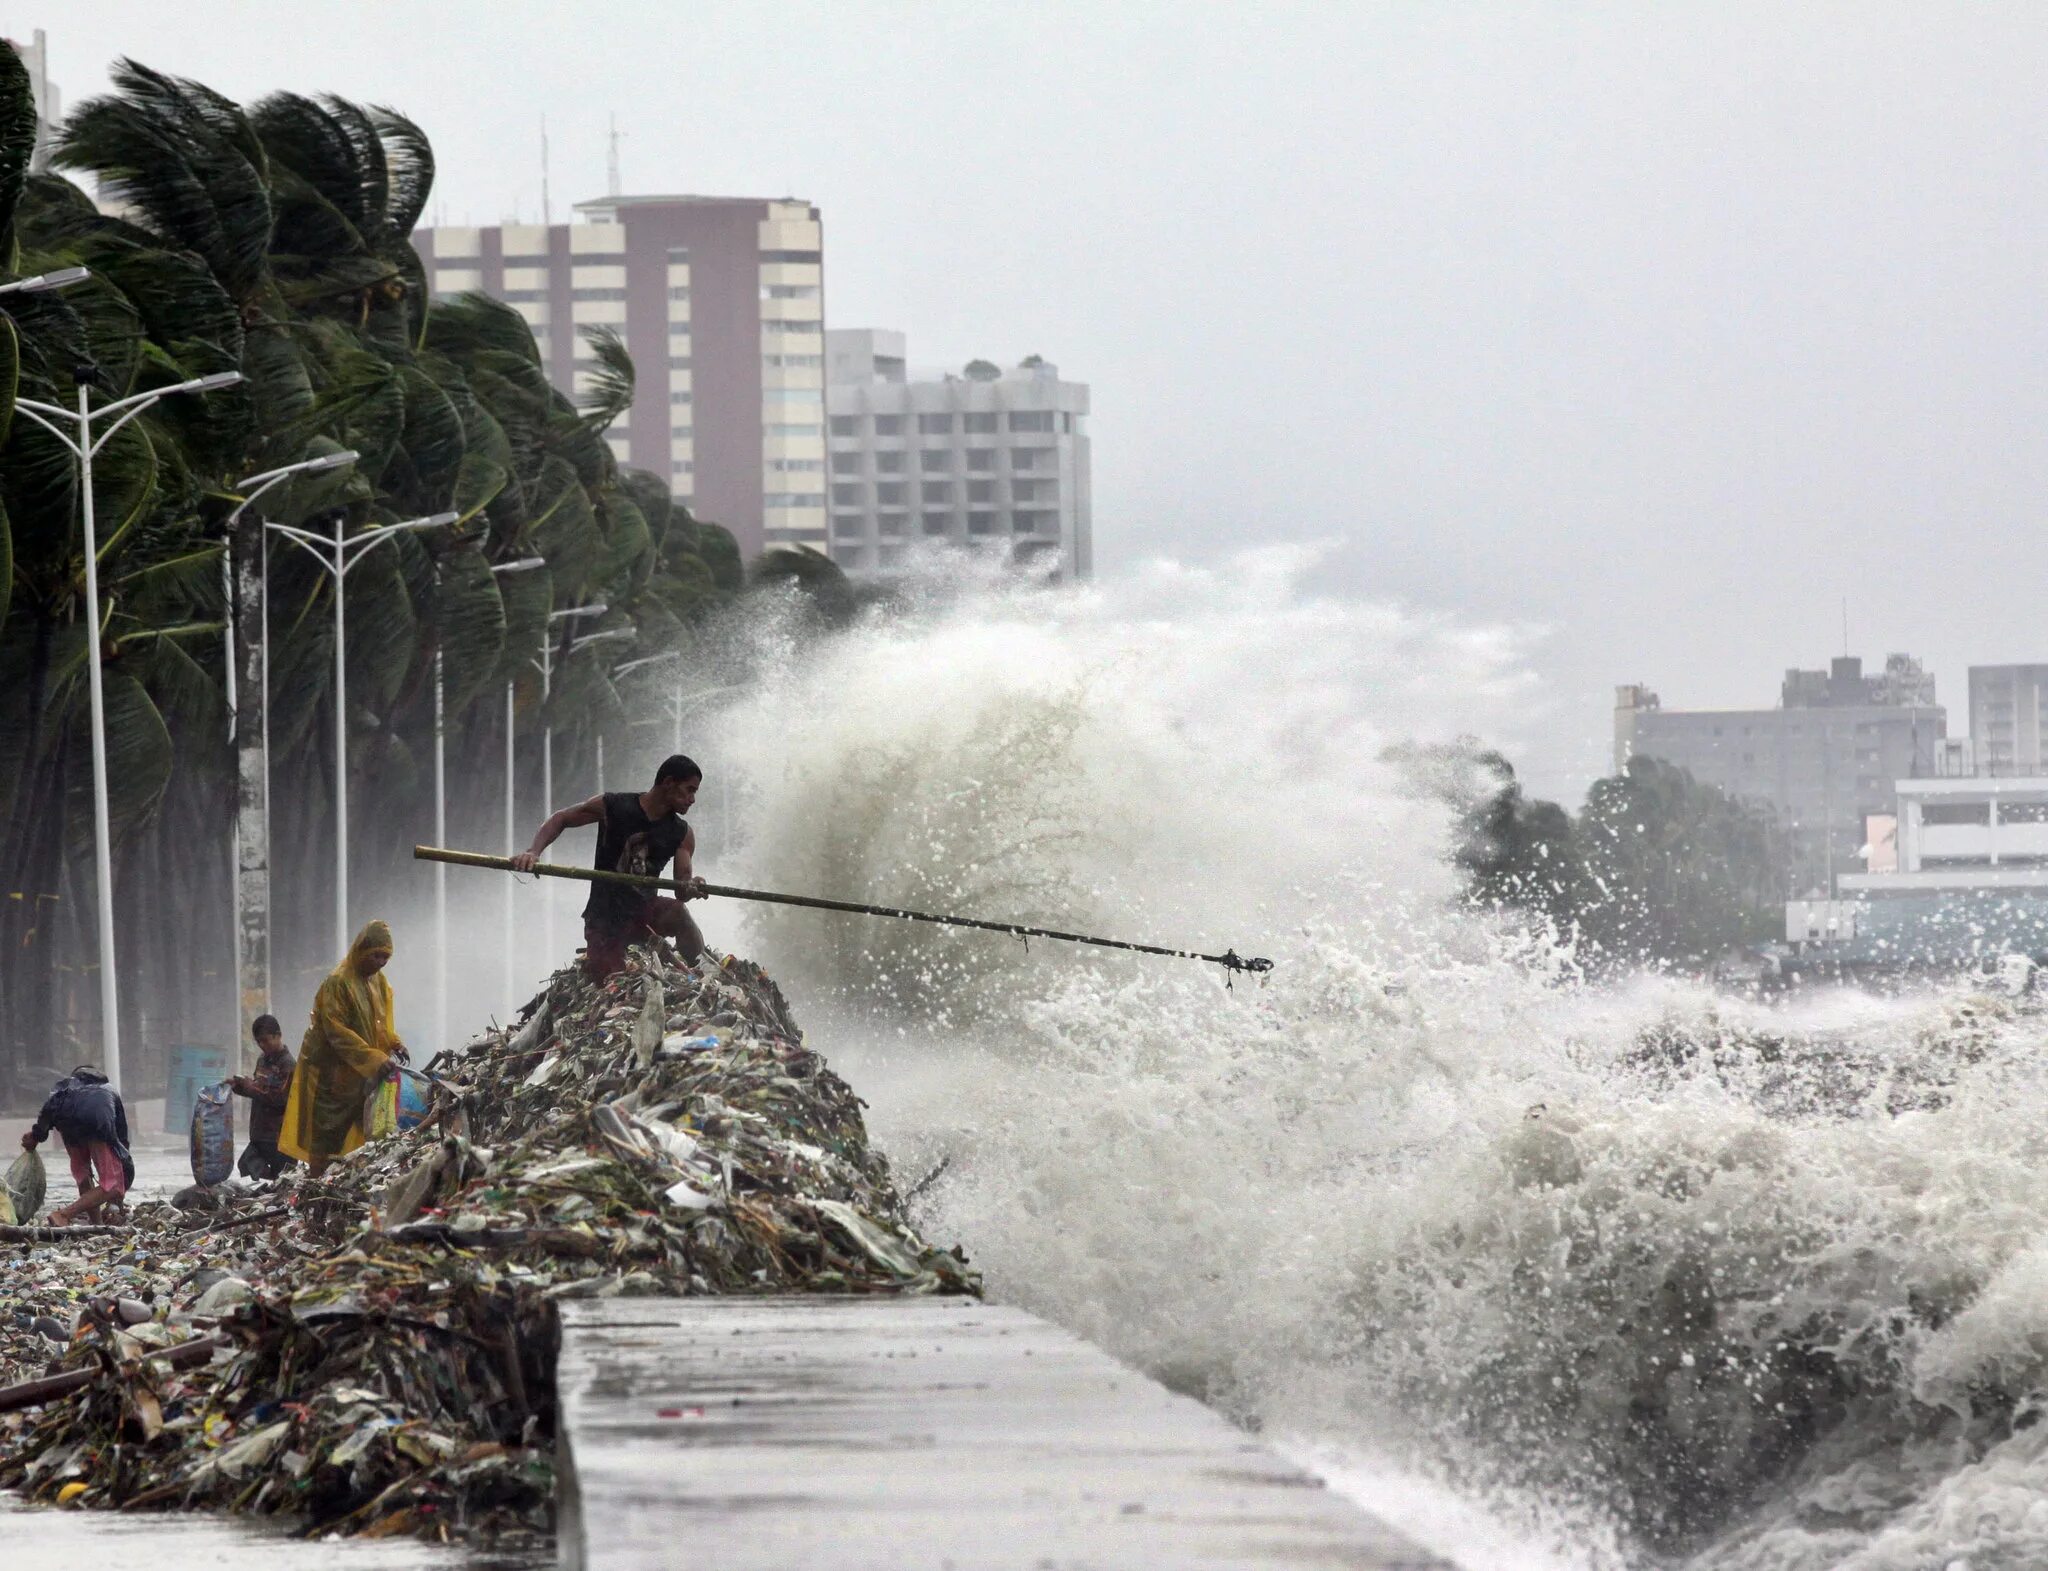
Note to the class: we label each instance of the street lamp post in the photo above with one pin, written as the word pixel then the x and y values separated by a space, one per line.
pixel 348 551
pixel 525 564
pixel 246 664
pixel 84 446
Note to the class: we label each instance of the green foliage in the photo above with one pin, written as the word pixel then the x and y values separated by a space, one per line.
pixel 1657 870
pixel 276 241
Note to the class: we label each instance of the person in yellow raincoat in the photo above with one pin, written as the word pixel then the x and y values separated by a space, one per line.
pixel 348 1045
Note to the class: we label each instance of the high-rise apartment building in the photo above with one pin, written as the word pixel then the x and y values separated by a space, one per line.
pixel 985 457
pixel 2009 719
pixel 721 304
pixel 1829 757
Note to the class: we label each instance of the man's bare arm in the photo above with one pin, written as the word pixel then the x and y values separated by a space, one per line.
pixel 580 816
pixel 686 855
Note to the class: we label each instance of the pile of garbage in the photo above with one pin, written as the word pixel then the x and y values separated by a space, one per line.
pixel 386 1336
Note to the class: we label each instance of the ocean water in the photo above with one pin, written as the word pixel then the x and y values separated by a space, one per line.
pixel 1554 1275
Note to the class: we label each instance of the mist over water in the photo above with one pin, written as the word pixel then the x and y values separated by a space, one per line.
pixel 1553 1275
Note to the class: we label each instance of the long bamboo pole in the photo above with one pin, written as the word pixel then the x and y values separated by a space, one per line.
pixel 1230 959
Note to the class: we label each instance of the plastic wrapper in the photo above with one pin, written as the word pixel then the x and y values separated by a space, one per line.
pixel 213 1135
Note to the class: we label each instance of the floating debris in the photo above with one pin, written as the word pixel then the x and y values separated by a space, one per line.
pixel 387 1335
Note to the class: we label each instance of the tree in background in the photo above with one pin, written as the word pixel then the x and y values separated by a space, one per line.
pixel 1658 869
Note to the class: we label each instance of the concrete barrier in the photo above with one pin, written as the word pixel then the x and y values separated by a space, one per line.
pixel 911 1433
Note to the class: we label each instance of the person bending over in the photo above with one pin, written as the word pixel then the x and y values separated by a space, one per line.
pixel 637 832
pixel 93 1121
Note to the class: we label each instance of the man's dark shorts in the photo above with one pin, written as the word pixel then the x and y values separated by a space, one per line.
pixel 604 942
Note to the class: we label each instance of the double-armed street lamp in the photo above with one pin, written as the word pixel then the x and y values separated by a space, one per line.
pixel 244 571
pixel 347 551
pixel 76 432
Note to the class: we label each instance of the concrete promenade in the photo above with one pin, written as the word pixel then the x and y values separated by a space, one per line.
pixel 906 1434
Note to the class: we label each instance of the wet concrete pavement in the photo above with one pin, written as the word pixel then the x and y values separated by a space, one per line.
pixel 919 1433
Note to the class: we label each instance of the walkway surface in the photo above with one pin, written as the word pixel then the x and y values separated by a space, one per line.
pixel 808 1433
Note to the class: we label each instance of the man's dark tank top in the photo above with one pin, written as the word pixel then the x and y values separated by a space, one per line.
pixel 628 841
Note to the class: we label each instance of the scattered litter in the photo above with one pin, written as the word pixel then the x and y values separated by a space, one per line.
pixel 389 1331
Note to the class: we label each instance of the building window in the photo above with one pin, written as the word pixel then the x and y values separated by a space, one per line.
pixel 846 463
pixel 888 425
pixel 679 398
pixel 893 524
pixel 793 395
pixel 795 362
pixel 1048 491
pixel 980 424
pixel 597 294
pixel 790 256
pixel 848 495
pixel 682 430
pixel 935 458
pixel 889 463
pixel 846 425
pixel 1023 523
pixel 679 291
pixel 981 458
pixel 800 429
pixel 789 291
pixel 524 296
pixel 781 325
pixel 1956 813
pixel 892 493
pixel 679 253
pixel 981 490
pixel 1024 457
pixel 1030 419
pixel 981 523
pixel 794 499
pixel 598 258
pixel 892 555
pixel 935 425
pixel 937 523
pixel 847 526
pixel 797 466
pixel 528 261
pixel 681 466
pixel 679 362
pixel 1066 423
pixel 936 491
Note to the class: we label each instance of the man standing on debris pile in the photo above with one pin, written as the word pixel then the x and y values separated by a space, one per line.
pixel 348 1046
pixel 93 1121
pixel 267 1090
pixel 637 832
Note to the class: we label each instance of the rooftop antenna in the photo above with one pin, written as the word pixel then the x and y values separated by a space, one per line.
pixel 612 161
pixel 547 206
pixel 1845 627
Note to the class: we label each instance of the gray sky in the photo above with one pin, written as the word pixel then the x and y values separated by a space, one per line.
pixel 1661 328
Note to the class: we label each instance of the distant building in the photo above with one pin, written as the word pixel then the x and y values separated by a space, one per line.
pixel 2009 718
pixel 48 101
pixel 1825 760
pixel 985 457
pixel 721 303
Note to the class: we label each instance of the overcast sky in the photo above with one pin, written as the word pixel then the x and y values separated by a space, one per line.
pixel 1662 329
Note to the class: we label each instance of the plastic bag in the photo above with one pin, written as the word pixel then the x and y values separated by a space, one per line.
pixel 27 1183
pixel 380 1106
pixel 213 1135
pixel 415 1099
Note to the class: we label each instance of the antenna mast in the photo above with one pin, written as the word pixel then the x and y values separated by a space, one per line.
pixel 547 206
pixel 612 162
